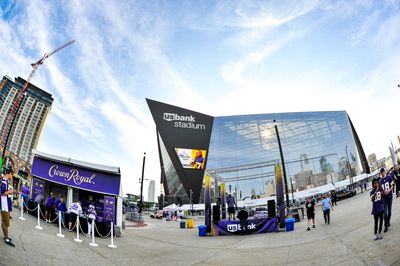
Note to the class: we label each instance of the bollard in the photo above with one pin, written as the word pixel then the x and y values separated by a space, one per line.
pixel 22 209
pixel 59 225
pixel 38 218
pixel 77 230
pixel 112 236
pixel 93 244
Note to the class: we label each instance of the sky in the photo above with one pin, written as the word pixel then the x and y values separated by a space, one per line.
pixel 215 57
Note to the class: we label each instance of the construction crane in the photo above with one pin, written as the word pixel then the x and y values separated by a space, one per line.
pixel 5 134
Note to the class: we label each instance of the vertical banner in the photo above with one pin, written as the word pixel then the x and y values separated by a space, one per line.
pixel 223 204
pixel 37 188
pixel 207 202
pixel 109 209
pixel 280 195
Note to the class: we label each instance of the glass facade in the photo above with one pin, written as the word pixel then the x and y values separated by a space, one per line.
pixel 318 148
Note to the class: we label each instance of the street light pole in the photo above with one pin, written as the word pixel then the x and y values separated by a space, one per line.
pixel 291 184
pixel 141 185
pixel 283 163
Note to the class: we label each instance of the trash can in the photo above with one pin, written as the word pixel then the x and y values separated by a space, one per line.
pixel 182 224
pixel 289 222
pixel 202 230
pixel 190 223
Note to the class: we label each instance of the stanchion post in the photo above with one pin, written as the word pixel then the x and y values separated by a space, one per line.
pixel 22 209
pixel 77 230
pixel 93 244
pixel 112 236
pixel 38 218
pixel 59 225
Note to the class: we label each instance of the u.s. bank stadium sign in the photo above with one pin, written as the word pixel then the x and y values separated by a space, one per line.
pixel 182 121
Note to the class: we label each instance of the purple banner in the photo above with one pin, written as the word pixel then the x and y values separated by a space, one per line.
pixel 37 188
pixel 109 208
pixel 254 226
pixel 75 176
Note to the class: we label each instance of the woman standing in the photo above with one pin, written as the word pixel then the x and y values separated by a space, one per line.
pixel 377 208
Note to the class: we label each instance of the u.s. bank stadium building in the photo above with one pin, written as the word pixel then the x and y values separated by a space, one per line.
pixel 318 149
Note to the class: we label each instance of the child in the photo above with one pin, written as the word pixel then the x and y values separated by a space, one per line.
pixel 377 208
pixel 91 216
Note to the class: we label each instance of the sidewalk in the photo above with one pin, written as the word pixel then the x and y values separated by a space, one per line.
pixel 346 241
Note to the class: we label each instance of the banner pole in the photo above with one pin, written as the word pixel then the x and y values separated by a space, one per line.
pixel 77 230
pixel 112 236
pixel 59 225
pixel 38 218
pixel 93 244
pixel 22 209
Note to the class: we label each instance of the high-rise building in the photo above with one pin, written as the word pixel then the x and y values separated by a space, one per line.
pixel 29 120
pixel 151 193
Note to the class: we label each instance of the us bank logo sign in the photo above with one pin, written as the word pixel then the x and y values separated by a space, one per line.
pixel 182 121
pixel 236 227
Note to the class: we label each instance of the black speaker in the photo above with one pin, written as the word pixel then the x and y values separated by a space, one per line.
pixel 216 213
pixel 271 208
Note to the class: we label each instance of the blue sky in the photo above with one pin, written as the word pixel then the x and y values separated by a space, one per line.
pixel 216 57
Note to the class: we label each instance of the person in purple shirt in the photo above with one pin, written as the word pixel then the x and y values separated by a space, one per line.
pixel 5 204
pixel 61 206
pixel 387 184
pixel 49 207
pixel 25 195
pixel 377 207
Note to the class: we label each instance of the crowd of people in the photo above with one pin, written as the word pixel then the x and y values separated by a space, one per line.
pixel 381 197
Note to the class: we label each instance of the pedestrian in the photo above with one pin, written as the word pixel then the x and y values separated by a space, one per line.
pixel 396 178
pixel 242 216
pixel 61 207
pixel 49 207
pixel 334 199
pixel 310 207
pixel 75 210
pixel 90 216
pixel 6 206
pixel 377 208
pixel 387 184
pixel 365 185
pixel 326 208
pixel 230 201
pixel 25 195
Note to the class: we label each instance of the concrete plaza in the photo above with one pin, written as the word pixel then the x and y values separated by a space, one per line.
pixel 346 241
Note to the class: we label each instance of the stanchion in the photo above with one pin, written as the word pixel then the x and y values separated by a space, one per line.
pixel 38 218
pixel 59 225
pixel 112 236
pixel 22 209
pixel 77 230
pixel 93 244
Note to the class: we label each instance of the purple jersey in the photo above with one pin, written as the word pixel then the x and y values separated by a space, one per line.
pixel 386 183
pixel 377 201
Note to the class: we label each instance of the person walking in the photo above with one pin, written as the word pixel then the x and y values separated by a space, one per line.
pixel 6 206
pixel 310 207
pixel 25 195
pixel 230 201
pixel 242 216
pixel 377 208
pixel 326 208
pixel 387 184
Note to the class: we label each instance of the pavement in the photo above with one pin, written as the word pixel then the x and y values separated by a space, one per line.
pixel 346 241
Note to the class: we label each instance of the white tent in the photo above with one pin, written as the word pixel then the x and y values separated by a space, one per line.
pixel 172 207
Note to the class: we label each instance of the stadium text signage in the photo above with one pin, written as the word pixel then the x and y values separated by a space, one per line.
pixel 183 121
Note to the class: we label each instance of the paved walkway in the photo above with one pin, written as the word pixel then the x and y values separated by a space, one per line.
pixel 346 241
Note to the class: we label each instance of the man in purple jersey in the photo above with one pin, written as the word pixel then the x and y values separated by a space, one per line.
pixel 387 184
pixel 377 208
